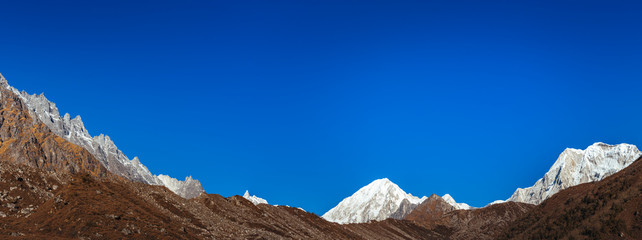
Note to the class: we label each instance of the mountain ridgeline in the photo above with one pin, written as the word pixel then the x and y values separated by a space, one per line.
pixel 58 182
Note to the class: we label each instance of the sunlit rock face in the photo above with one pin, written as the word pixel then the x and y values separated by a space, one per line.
pixel 575 167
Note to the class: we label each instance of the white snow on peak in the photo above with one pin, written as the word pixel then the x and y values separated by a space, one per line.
pixel 376 201
pixel 575 167
pixel 254 199
pixel 450 200
pixel 496 202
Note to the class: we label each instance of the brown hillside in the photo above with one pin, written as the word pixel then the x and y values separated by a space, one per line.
pixel 430 210
pixel 608 209
pixel 483 223
pixel 37 204
pixel 27 140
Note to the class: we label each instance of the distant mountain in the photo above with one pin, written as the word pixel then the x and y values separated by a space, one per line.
pixel 450 200
pixel 575 167
pixel 254 199
pixel 101 146
pixel 376 201
pixel 380 200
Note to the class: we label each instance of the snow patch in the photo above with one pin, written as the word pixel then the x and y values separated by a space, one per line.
pixel 254 199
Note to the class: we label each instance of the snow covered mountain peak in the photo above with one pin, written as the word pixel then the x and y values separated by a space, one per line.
pixel 378 200
pixel 254 199
pixel 450 200
pixel 575 167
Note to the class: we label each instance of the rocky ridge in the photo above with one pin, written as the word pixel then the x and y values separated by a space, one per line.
pixel 101 146
pixel 28 141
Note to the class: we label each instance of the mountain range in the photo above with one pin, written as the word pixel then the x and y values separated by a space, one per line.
pixel 58 182
pixel 383 199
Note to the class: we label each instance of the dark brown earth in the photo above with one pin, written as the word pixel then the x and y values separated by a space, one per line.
pixel 608 209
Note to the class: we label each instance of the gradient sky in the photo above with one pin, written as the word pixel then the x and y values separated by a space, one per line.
pixel 304 102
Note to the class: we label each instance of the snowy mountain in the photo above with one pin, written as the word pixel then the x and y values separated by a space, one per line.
pixel 575 167
pixel 101 146
pixel 254 199
pixel 378 200
pixel 450 200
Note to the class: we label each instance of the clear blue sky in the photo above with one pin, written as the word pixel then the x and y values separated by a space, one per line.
pixel 304 102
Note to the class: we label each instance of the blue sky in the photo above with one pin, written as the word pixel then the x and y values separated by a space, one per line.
pixel 304 102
